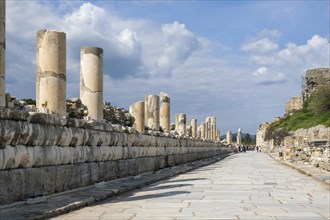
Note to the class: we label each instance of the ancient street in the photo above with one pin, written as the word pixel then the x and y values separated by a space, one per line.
pixel 243 186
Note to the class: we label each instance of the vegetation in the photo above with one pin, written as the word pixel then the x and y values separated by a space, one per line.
pixel 29 101
pixel 315 111
pixel 248 139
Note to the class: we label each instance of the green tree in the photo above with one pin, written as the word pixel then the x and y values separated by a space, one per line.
pixel 277 135
pixel 247 139
pixel 319 101
pixel 234 139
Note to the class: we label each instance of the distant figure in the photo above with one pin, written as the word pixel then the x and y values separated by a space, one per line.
pixel 239 148
pixel 257 148
pixel 244 149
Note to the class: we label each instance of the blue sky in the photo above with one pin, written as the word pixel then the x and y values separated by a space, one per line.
pixel 238 60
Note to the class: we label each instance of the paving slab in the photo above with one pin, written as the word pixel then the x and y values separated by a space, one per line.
pixel 243 186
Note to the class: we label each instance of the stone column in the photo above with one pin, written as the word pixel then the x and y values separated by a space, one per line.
pixel 165 114
pixel 229 138
pixel 218 135
pixel 181 124
pixel 203 130
pixel 151 111
pixel 51 72
pixel 91 81
pixel 137 111
pixel 239 137
pixel 2 52
pixel 193 124
pixel 208 128
pixel 213 127
pixel 199 134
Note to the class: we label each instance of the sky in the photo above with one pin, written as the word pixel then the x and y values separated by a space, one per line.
pixel 240 61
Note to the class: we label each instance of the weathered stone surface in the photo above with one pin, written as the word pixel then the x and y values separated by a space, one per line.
pixel 137 111
pixel 2 52
pixel 51 72
pixel 151 112
pixel 165 112
pixel 239 137
pixel 91 81
pixel 315 78
pixel 193 124
pixel 181 124
pixel 294 104
pixel 229 138
pixel 116 115
pixel 47 119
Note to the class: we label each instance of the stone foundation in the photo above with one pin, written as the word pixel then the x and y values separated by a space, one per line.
pixel 41 154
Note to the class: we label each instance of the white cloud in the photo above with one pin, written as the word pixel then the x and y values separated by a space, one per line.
pixel 263 45
pixel 265 76
pixel 315 53
pixel 270 33
pixel 180 45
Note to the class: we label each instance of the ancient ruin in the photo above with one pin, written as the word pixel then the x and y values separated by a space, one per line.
pixel 229 138
pixel 137 111
pixel 65 143
pixel 165 113
pixel 51 72
pixel 151 112
pixel 91 81
pixel 239 137
pixel 193 124
pixel 181 122
pixel 294 104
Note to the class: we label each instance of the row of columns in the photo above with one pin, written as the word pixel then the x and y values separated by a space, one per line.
pixel 51 86
pixel 51 75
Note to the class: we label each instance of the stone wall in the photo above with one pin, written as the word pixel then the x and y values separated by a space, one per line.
pixel 315 78
pixel 41 154
pixel 294 104
pixel 309 146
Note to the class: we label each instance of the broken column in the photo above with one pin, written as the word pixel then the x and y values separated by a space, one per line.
pixel 165 114
pixel 151 111
pixel 193 124
pixel 51 72
pixel 2 53
pixel 229 139
pixel 137 111
pixel 239 137
pixel 218 135
pixel 91 81
pixel 181 122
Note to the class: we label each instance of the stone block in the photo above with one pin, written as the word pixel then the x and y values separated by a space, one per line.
pixel 49 119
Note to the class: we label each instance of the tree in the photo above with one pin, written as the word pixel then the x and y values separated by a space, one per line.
pixel 277 135
pixel 247 139
pixel 234 139
pixel 319 101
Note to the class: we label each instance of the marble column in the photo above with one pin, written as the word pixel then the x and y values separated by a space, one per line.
pixel 2 53
pixel 213 127
pixel 91 81
pixel 239 137
pixel 181 124
pixel 218 135
pixel 193 124
pixel 165 114
pixel 203 130
pixel 208 128
pixel 51 72
pixel 151 111
pixel 137 111
pixel 229 138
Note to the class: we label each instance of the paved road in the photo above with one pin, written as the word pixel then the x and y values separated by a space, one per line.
pixel 243 186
